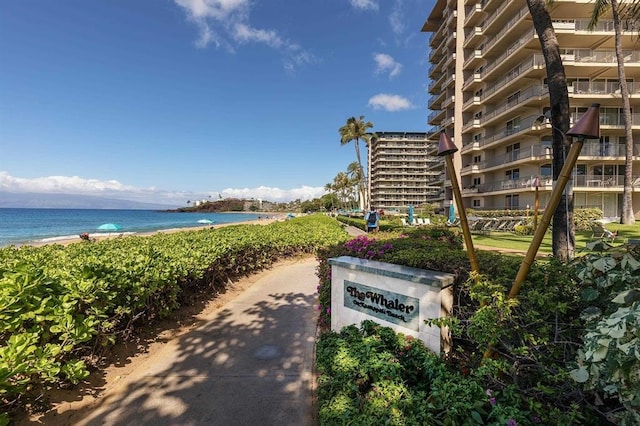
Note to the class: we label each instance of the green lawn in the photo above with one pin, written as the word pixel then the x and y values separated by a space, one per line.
pixel 511 241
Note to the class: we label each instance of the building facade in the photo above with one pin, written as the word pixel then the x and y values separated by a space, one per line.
pixel 404 170
pixel 489 93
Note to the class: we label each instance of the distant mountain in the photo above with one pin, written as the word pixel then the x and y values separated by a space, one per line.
pixel 71 201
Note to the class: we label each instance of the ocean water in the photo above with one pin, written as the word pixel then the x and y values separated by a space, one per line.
pixel 22 226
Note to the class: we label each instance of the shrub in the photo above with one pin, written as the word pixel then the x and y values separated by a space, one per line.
pixel 531 339
pixel 609 361
pixel 583 218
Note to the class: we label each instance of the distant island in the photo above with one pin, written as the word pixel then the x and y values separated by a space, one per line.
pixel 229 205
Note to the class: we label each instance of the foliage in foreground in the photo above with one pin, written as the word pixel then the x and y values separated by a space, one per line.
pixel 61 306
pixel 534 342
pixel 609 360
pixel 372 376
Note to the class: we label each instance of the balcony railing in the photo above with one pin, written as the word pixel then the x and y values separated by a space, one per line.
pixel 602 88
pixel 606 25
pixel 580 182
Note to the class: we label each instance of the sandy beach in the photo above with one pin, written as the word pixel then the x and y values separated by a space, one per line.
pixel 265 220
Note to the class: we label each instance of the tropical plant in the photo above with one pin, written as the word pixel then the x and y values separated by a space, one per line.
pixel 354 171
pixel 609 361
pixel 353 131
pixel 563 232
pixel 600 8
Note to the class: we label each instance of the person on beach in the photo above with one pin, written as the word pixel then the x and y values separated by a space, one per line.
pixel 372 220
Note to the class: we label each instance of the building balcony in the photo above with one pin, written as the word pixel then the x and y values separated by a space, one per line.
pixel 520 70
pixel 474 59
pixel 449 100
pixel 581 183
pixel 498 24
pixel 470 146
pixel 473 38
pixel 472 82
pixel 526 96
pixel 597 88
pixel 474 14
pixel 435 116
pixel 473 101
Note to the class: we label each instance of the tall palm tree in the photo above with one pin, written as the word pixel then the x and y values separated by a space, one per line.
pixel 355 130
pixel 342 186
pixel 354 171
pixel 563 230
pixel 600 8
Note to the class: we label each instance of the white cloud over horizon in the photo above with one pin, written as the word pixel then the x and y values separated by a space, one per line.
pixel 391 103
pixel 75 185
pixel 225 23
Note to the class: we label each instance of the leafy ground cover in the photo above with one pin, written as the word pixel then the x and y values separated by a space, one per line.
pixel 566 351
pixel 62 307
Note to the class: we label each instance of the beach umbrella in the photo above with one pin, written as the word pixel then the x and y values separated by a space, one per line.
pixel 410 213
pixel 109 227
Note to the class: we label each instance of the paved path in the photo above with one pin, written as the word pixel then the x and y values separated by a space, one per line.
pixel 251 363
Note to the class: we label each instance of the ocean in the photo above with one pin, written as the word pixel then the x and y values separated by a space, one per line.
pixel 24 226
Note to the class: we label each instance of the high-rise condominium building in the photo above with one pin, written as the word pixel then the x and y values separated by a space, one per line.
pixel 489 90
pixel 404 170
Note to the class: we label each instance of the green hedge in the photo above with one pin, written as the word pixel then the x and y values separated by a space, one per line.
pixel 61 304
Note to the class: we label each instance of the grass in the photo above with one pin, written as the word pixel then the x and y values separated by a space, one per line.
pixel 511 241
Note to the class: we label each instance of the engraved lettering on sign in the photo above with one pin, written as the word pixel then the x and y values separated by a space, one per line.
pixel 393 307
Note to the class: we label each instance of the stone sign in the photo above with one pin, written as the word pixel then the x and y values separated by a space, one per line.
pixel 395 296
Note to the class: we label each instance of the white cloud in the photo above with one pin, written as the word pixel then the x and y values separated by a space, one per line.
pixel 364 4
pixel 386 63
pixel 396 19
pixel 245 34
pixel 226 23
pixel 276 194
pixel 389 102
pixel 113 189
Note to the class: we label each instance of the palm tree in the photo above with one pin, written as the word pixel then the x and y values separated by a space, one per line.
pixel 563 229
pixel 599 9
pixel 354 130
pixel 354 172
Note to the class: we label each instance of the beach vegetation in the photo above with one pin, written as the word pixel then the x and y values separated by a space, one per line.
pixel 564 352
pixel 63 307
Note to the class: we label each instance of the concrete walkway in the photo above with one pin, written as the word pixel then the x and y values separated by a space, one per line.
pixel 251 363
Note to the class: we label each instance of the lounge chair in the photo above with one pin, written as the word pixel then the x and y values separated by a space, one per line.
pixel 598 230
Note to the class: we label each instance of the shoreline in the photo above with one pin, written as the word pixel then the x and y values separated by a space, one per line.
pixel 269 218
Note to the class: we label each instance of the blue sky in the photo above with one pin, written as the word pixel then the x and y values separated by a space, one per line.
pixel 169 100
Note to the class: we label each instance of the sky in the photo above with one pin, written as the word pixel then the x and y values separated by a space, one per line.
pixel 166 101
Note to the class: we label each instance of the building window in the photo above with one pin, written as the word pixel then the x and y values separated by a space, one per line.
pixel 476 203
pixel 512 174
pixel 476 181
pixel 546 170
pixel 513 126
pixel 477 159
pixel 512 202
pixel 604 146
pixel 513 151
pixel 513 99
pixel 477 137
